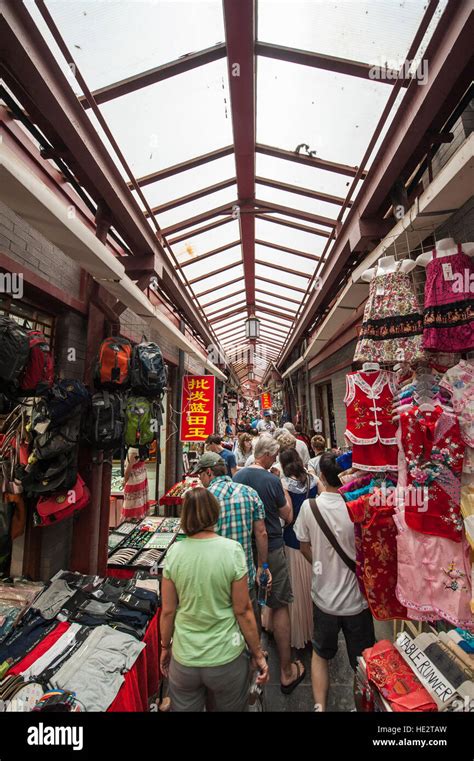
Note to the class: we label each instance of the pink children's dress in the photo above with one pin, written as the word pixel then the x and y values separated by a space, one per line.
pixel 448 315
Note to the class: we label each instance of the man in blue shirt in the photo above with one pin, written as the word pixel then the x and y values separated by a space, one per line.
pixel 214 444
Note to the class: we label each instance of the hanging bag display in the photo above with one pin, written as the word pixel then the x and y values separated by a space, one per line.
pixel 38 374
pixel 139 417
pixel 62 504
pixel 113 363
pixel 47 476
pixel 57 441
pixel 106 421
pixel 14 351
pixel 60 403
pixel 149 372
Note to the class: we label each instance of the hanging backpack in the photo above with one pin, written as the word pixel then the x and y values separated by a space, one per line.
pixel 113 363
pixel 62 504
pixel 38 374
pixel 139 417
pixel 47 476
pixel 14 350
pixel 57 441
pixel 149 372
pixel 106 424
pixel 59 403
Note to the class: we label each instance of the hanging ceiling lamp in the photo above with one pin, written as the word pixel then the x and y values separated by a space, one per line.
pixel 251 375
pixel 252 327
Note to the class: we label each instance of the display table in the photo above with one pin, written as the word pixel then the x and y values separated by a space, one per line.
pixel 142 681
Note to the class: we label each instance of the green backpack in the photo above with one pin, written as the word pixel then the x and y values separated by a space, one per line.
pixel 139 417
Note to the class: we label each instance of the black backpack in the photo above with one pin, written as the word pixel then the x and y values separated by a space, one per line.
pixel 149 372
pixel 57 441
pixel 14 350
pixel 47 476
pixel 105 429
pixel 60 403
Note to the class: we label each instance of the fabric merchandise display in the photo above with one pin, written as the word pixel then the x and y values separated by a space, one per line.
pixel 377 551
pixel 394 679
pixel 392 325
pixel 458 381
pixel 434 576
pixel 95 672
pixel 448 315
pixel 434 453
pixel 370 429
pixel 136 502
pixel 15 597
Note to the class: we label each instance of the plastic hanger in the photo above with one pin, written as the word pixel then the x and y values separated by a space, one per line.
pixel 370 366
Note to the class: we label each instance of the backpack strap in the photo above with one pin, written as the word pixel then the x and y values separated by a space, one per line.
pixel 330 536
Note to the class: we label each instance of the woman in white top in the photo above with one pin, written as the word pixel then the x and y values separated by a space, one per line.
pixel 243 449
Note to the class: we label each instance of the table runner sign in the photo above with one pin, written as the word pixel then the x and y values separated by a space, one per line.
pixel 266 402
pixel 437 685
pixel 197 407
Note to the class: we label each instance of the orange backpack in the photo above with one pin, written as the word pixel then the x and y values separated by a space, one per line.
pixel 113 364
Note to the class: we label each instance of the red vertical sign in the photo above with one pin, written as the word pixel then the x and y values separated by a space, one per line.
pixel 266 401
pixel 197 407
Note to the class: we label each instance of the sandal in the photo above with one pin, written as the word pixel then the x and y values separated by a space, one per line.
pixel 287 689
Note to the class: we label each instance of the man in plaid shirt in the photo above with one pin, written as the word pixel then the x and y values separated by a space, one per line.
pixel 242 512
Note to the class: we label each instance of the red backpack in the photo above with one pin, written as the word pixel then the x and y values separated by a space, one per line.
pixel 61 505
pixel 38 374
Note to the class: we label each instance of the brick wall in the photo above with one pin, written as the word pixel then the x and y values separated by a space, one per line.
pixel 27 246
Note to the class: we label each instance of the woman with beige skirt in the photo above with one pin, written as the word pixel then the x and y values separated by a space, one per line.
pixel 300 485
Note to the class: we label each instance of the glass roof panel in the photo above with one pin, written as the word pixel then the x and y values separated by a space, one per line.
pixel 305 117
pixel 216 279
pixel 293 278
pixel 179 119
pixel 213 262
pixel 284 259
pixel 146 34
pixel 297 201
pixel 384 28
pixel 227 303
pixel 194 245
pixel 300 174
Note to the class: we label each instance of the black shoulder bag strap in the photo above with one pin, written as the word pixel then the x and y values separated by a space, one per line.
pixel 330 536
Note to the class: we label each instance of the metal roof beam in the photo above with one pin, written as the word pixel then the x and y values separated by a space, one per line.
pixel 183 166
pixel 316 219
pixel 281 269
pixel 240 31
pixel 215 272
pixel 281 285
pixel 301 158
pixel 224 309
pixel 225 316
pixel 200 230
pixel 316 195
pixel 222 298
pixel 326 62
pixel 224 285
pixel 294 225
pixel 274 312
pixel 286 250
pixel 277 296
pixel 203 217
pixel 190 197
pixel 215 251
pixel 157 74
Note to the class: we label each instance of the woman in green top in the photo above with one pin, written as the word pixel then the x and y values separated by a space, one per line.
pixel 207 616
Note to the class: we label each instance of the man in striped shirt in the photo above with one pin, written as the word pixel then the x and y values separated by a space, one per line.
pixel 242 513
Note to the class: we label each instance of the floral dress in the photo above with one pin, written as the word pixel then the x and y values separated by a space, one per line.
pixel 459 381
pixel 448 314
pixel 392 328
pixel 434 453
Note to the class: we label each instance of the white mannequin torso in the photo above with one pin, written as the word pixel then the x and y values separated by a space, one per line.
pixel 387 265
pixel 445 247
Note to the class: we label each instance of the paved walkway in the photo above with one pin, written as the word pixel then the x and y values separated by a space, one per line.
pixel 301 700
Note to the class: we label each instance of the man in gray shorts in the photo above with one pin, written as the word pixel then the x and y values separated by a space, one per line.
pixel 269 488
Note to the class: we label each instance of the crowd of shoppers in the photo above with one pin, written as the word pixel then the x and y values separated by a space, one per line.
pixel 270 512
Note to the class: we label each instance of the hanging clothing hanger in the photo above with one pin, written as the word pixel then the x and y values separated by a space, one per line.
pixel 370 366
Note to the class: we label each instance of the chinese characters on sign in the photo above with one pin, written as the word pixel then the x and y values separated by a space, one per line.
pixel 197 407
pixel 266 402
